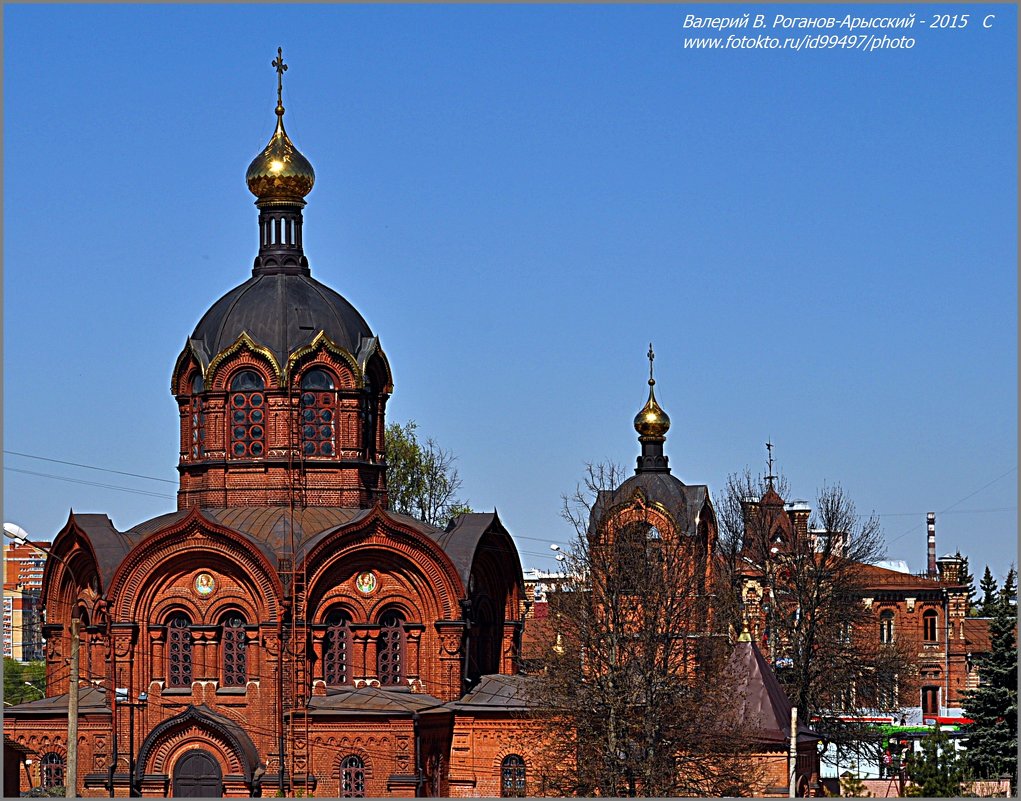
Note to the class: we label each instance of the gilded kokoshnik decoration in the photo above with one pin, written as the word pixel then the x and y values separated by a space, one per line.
pixel 204 585
pixel 366 582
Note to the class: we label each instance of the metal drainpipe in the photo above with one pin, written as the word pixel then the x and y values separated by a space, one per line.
pixel 418 755
pixel 466 607
pixel 280 698
pixel 113 720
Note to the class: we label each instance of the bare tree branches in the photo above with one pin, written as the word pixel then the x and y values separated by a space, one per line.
pixel 804 581
pixel 630 666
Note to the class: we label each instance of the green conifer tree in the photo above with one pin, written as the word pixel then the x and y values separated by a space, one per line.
pixel 968 581
pixel 939 771
pixel 992 738
pixel 988 587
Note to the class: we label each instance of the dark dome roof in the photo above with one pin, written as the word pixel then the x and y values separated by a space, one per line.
pixel 281 312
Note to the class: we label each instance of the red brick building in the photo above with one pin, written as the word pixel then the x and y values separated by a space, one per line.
pixel 925 614
pixel 281 630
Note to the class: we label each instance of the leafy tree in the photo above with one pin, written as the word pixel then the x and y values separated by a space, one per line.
pixel 992 738
pixel 421 478
pixel 939 771
pixel 16 673
pixel 989 591
pixel 639 698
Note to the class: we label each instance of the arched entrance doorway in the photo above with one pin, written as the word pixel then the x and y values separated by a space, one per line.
pixel 197 775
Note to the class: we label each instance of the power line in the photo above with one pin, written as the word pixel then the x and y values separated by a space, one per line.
pixel 90 483
pixel 954 512
pixel 90 467
pixel 955 503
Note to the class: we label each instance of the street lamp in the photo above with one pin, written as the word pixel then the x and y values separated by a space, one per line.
pixel 42 693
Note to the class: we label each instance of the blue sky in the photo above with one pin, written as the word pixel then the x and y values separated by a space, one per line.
pixel 821 244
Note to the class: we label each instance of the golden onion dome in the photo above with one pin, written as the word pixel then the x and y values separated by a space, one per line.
pixel 280 171
pixel 652 422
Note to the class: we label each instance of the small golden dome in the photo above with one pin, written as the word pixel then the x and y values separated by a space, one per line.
pixel 652 422
pixel 280 172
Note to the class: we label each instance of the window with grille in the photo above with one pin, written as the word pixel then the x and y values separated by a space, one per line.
pixel 198 418
pixel 929 627
pixel 352 777
pixel 886 627
pixel 512 777
pixel 235 660
pixel 52 770
pixel 247 415
pixel 390 649
pixel 336 648
pixel 179 651
pixel 318 414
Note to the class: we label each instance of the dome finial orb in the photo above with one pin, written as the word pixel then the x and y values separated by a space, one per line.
pixel 280 171
pixel 652 422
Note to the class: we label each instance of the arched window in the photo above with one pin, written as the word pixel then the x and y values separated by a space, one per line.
pixel 512 777
pixel 247 415
pixel 630 558
pixel 390 649
pixel 886 626
pixel 336 647
pixel 179 651
pixel 198 418
pixel 929 627
pixel 352 777
pixel 232 649
pixel 51 768
pixel 318 414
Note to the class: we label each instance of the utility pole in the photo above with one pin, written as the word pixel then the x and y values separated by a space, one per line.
pixel 71 779
pixel 794 752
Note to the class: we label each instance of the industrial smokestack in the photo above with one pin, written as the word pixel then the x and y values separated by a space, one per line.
pixel 930 520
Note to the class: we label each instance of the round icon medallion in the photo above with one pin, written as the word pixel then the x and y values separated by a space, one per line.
pixel 366 582
pixel 204 584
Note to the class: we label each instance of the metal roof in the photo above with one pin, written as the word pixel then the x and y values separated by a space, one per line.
pixel 497 693
pixel 682 501
pixel 281 312
pixel 91 701
pixel 764 703
pixel 375 701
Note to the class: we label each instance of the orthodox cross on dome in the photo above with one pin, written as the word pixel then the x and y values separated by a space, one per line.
pixel 281 68
pixel 769 461
pixel 652 358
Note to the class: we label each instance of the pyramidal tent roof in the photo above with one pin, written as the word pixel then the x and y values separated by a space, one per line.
pixel 764 703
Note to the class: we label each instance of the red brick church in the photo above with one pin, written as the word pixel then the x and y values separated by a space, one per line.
pixel 283 632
